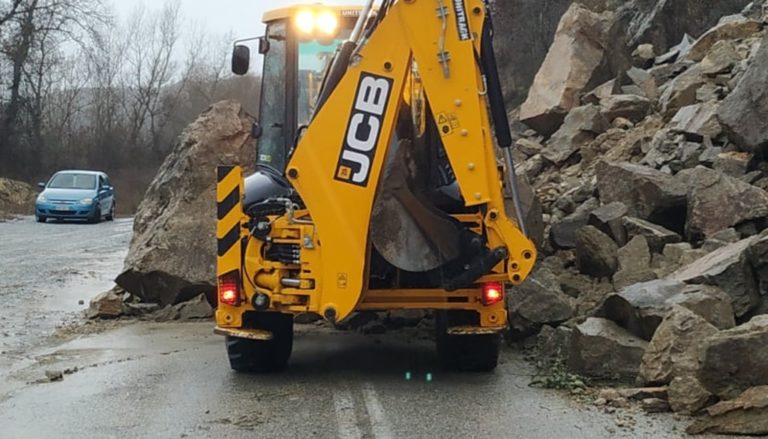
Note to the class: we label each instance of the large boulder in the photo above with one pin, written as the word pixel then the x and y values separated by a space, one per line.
pixel 608 219
pixel 107 305
pixel 687 395
pixel 729 28
pixel 596 253
pixel 172 256
pixel 664 23
pixel 744 112
pixel 16 197
pixel 600 348
pixel 538 301
pixel 634 263
pixel 728 268
pixel 717 201
pixel 640 308
pixel 648 194
pixel 574 63
pixel 675 347
pixel 657 236
pixel 562 235
pixel 745 415
pixel 697 121
pixel 736 359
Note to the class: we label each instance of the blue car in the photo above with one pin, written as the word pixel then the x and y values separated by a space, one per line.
pixel 84 195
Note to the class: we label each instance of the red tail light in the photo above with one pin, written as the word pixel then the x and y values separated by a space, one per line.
pixel 493 292
pixel 229 289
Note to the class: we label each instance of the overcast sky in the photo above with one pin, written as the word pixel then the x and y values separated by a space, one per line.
pixel 242 17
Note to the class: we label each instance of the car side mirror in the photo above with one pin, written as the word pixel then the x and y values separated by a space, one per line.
pixel 241 59
pixel 41 185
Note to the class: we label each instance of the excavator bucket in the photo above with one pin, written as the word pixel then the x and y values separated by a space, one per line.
pixel 406 229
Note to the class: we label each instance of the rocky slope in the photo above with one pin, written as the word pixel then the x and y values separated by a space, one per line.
pixel 643 135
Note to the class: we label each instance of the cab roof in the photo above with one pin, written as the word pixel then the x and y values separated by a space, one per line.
pixel 352 11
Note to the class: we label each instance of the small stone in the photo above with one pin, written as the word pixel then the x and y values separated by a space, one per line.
pixel 655 405
pixel 54 375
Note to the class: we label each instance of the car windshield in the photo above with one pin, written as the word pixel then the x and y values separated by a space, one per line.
pixel 73 181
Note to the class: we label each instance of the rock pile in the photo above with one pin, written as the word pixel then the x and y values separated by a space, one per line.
pixel 16 197
pixel 645 141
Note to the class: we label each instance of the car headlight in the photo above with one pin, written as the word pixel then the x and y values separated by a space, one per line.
pixel 86 201
pixel 41 198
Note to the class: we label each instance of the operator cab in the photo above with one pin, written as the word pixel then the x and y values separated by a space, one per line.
pixel 298 47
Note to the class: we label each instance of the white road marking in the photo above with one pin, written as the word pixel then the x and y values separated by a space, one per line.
pixel 379 423
pixel 346 420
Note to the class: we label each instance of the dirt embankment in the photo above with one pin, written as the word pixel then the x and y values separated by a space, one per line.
pixel 16 198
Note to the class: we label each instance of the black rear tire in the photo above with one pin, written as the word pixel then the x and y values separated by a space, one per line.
pixel 111 215
pixel 41 219
pixel 257 356
pixel 467 353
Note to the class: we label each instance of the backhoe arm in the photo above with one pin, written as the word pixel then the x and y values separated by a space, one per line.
pixel 337 166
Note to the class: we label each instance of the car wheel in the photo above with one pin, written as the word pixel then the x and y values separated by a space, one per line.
pixel 96 215
pixel 41 219
pixel 111 215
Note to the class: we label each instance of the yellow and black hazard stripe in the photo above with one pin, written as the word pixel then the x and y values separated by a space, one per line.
pixel 229 190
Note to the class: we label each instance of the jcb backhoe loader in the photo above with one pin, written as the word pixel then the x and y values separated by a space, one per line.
pixel 378 185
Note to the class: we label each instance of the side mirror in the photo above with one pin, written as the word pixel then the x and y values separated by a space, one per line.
pixel 256 130
pixel 263 45
pixel 241 59
pixel 41 185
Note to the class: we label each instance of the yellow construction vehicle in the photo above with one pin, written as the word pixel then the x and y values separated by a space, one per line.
pixel 379 185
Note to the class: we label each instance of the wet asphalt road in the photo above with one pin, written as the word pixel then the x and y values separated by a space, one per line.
pixel 152 380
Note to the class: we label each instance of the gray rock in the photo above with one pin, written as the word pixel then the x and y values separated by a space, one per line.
pixel 697 121
pixel 656 236
pixel 643 56
pixel 687 396
pixel 552 343
pixel 538 301
pixel 674 252
pixel 711 303
pixel 758 257
pixel 734 164
pixel 528 147
pixel 197 308
pixel 648 194
pixel 717 202
pixel 710 154
pixel 626 278
pixel 628 106
pixel 725 30
pixel 721 58
pixel 581 125
pixel 608 219
pixel 563 234
pixel 681 91
pixel 736 359
pixel 596 252
pixel 744 112
pixel 745 415
pixel 720 240
pixel 636 255
pixel 679 51
pixel 173 250
pixel 107 305
pixel 675 347
pixel 728 268
pixel 573 62
pixel 600 348
pixel 640 308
